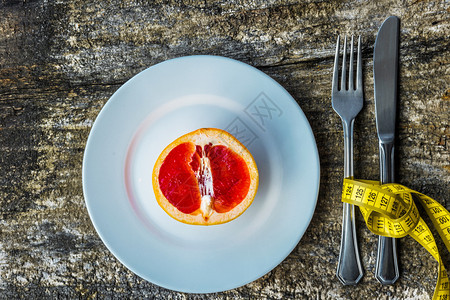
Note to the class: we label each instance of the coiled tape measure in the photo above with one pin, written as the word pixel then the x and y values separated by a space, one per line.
pixel 389 210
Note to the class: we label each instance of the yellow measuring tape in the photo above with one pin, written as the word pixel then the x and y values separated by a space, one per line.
pixel 389 210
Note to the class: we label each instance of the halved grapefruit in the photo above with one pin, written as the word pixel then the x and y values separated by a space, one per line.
pixel 205 177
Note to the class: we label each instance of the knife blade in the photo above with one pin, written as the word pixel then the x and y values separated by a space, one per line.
pixel 385 70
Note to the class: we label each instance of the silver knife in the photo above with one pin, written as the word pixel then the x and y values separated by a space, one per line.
pixel 385 71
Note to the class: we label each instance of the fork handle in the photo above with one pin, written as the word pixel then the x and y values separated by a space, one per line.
pixel 349 269
pixel 386 267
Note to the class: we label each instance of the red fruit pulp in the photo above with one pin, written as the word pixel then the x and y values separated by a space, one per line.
pixel 182 185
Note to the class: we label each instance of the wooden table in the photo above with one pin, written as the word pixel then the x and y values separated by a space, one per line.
pixel 60 61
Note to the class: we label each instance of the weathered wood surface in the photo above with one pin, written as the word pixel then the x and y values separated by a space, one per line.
pixel 60 61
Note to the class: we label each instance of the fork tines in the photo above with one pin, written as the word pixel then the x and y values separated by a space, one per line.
pixel 344 67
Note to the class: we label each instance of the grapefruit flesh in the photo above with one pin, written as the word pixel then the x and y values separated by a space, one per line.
pixel 205 177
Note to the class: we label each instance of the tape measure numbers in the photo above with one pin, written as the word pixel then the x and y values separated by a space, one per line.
pixel 389 210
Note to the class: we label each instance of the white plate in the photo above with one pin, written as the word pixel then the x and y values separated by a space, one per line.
pixel 164 102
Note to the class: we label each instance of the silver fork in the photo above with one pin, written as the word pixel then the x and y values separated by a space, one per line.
pixel 348 102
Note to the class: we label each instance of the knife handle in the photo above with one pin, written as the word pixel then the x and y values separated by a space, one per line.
pixel 386 268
